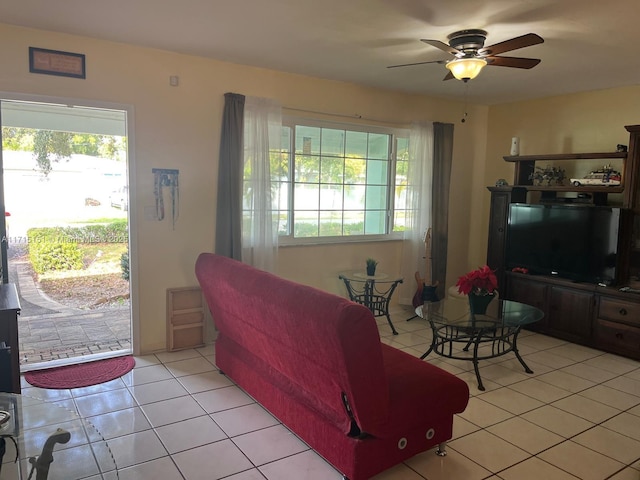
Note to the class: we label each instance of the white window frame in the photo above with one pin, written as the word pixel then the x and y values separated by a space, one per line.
pixel 395 133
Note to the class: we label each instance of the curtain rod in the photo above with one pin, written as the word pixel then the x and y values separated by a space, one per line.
pixel 354 116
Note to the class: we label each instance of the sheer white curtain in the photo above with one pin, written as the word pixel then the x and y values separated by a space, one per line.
pixel 419 189
pixel 262 137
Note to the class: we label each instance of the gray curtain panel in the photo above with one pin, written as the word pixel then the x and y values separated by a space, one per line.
pixel 230 171
pixel 442 158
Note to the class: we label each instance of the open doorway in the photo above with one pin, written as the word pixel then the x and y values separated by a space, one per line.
pixel 65 230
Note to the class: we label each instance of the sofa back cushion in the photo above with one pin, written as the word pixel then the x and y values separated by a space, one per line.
pixel 324 345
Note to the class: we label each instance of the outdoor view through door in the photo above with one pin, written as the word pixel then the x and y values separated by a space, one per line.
pixel 65 246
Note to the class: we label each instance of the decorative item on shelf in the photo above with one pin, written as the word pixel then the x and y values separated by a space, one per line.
pixel 515 146
pixel 501 182
pixel 480 286
pixel 621 148
pixel 371 266
pixel 605 176
pixel 549 174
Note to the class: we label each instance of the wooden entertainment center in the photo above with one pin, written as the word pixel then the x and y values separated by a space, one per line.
pixel 598 316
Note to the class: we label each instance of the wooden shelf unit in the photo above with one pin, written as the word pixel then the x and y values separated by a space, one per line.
pixel 525 165
pixel 185 318
pixel 597 316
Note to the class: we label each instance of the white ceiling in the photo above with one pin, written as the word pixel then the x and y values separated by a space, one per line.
pixel 589 45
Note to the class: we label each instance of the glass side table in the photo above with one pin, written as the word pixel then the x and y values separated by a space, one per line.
pixel 372 291
pixel 56 443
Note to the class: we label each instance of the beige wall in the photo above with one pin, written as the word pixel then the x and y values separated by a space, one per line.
pixel 585 122
pixel 179 127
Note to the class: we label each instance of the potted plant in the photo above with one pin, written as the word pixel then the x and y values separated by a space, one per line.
pixel 480 285
pixel 371 266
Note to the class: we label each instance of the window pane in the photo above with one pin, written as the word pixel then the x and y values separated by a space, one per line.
pixel 307 169
pixel 375 222
pixel 332 142
pixel 331 223
pixel 378 146
pixel 356 144
pixel 283 223
pixel 306 224
pixel 307 140
pixel 354 197
pixel 399 221
pixel 376 198
pixel 285 139
pixel 281 202
pixel 331 197
pixel 306 197
pixel 332 170
pixel 400 189
pixel 402 149
pixel 279 166
pixel 377 172
pixel 353 223
pixel 354 170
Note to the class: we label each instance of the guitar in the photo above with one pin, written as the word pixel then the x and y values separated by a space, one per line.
pixel 425 293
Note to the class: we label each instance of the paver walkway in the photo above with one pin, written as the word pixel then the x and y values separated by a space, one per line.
pixel 48 330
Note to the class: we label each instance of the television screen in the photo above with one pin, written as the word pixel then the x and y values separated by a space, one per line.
pixel 572 241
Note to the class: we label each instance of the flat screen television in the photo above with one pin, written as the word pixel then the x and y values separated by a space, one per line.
pixel 576 242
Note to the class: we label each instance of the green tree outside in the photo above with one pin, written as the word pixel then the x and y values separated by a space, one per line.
pixel 49 146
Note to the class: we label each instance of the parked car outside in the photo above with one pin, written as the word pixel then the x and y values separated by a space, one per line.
pixel 120 198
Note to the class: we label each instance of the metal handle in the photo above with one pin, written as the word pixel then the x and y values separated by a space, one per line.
pixel 623 311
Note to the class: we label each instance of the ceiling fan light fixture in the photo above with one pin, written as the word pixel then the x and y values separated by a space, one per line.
pixel 466 68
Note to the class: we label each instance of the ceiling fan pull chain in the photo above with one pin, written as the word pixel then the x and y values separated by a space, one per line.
pixel 466 97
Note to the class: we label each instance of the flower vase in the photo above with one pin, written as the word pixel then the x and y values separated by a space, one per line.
pixel 371 270
pixel 478 303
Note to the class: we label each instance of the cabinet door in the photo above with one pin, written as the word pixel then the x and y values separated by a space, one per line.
pixel 498 218
pixel 570 314
pixel 523 290
pixel 497 229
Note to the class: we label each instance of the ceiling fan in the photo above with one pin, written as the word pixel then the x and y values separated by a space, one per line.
pixel 471 56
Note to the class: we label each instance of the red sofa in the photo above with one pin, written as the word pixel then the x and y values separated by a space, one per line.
pixel 315 361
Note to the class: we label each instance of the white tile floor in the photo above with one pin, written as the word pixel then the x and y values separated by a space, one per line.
pixel 578 416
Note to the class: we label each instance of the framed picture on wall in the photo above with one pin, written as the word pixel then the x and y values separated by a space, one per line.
pixel 55 62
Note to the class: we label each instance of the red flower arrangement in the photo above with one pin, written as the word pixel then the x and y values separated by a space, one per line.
pixel 482 281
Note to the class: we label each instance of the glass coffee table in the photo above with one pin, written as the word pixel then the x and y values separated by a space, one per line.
pixel 490 335
pixel 52 443
pixel 372 291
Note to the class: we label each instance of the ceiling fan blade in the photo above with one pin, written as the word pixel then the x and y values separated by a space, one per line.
pixel 442 46
pixel 514 62
pixel 418 63
pixel 448 76
pixel 514 44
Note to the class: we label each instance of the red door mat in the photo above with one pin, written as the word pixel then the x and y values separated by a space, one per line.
pixel 82 374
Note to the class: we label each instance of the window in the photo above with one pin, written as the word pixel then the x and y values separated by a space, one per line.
pixel 339 182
